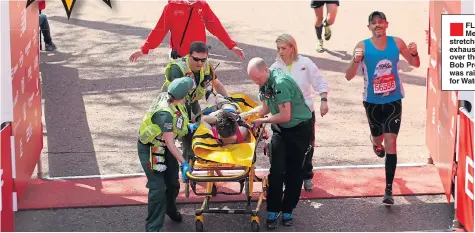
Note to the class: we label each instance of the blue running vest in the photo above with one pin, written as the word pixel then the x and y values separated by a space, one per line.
pixel 380 68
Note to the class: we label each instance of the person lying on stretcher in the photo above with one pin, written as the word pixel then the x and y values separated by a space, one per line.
pixel 226 127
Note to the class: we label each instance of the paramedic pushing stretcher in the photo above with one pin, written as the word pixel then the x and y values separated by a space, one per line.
pixel 196 66
pixel 291 139
pixel 165 120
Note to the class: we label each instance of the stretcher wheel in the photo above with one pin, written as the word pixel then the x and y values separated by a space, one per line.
pixel 199 225
pixel 255 226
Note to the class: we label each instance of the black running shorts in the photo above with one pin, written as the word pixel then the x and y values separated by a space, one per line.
pixel 384 118
pixel 318 4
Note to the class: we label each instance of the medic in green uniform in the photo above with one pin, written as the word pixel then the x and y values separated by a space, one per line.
pixel 291 124
pixel 196 66
pixel 165 120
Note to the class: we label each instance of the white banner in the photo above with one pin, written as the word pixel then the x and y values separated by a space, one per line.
pixel 458 52
pixel 6 100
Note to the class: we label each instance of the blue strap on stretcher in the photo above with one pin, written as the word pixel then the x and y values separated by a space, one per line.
pixel 208 111
pixel 230 110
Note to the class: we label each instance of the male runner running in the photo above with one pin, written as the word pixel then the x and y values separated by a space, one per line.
pixel 332 8
pixel 377 57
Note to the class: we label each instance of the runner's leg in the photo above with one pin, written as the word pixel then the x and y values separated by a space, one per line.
pixel 375 121
pixel 374 116
pixel 393 112
pixel 318 8
pixel 332 9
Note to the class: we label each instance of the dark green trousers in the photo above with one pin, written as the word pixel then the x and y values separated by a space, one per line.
pixel 163 188
pixel 288 149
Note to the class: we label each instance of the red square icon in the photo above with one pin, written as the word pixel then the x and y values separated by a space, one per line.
pixel 456 29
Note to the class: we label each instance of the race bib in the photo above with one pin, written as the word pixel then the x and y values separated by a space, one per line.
pixel 179 123
pixel 384 84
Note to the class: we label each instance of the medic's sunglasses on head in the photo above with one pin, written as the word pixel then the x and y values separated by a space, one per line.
pixel 199 59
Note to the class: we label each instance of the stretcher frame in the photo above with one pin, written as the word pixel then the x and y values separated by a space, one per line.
pixel 213 175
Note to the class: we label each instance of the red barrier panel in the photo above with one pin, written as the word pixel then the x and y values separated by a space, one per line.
pixel 27 126
pixel 442 109
pixel 6 208
pixel 442 106
pixel 465 174
pixel 433 85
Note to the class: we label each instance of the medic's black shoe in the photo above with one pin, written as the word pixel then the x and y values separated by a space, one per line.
pixel 176 217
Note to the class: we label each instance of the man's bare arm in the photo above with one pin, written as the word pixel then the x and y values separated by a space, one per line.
pixel 261 110
pixel 264 110
pixel 283 116
pixel 219 87
pixel 208 121
pixel 408 52
pixel 355 62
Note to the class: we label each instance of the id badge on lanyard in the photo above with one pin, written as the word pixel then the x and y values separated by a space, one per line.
pixel 179 123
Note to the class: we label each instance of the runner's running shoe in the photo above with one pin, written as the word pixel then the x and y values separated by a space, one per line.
pixel 319 46
pixel 328 31
pixel 388 197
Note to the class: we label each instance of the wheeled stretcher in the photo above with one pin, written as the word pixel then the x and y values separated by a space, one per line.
pixel 211 160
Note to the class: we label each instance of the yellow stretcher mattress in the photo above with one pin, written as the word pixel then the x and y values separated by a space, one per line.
pixel 237 154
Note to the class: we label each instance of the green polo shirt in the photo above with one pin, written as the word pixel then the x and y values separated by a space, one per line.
pixel 281 88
